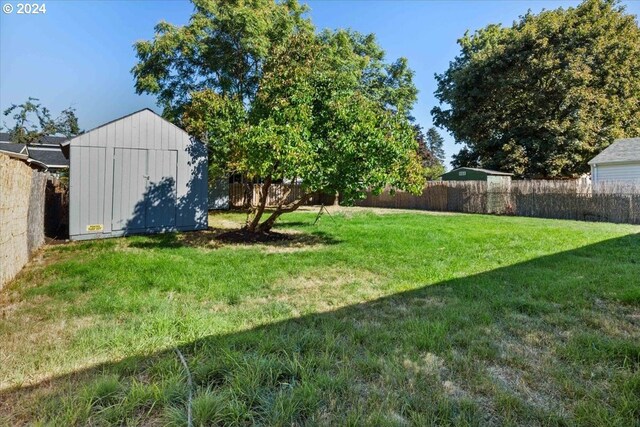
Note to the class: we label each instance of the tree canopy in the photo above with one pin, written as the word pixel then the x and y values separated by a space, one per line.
pixel 276 101
pixel 542 97
pixel 222 48
pixel 32 121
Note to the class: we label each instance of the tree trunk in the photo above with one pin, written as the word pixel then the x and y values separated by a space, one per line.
pixel 257 211
pixel 268 224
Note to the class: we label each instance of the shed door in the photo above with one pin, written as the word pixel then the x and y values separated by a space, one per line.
pixel 161 188
pixel 144 189
pixel 129 186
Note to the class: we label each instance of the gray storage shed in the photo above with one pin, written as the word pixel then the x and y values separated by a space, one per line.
pixel 137 174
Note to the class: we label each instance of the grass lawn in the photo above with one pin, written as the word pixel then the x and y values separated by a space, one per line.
pixel 363 319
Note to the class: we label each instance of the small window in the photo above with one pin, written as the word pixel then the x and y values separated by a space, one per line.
pixel 462 173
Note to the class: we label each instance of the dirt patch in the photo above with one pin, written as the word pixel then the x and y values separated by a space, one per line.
pixel 54 241
pixel 245 237
pixel 216 238
pixel 281 241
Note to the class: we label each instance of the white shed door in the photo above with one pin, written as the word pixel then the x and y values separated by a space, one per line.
pixel 144 189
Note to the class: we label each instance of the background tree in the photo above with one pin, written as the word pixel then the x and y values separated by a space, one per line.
pixel 430 151
pixel 32 121
pixel 542 97
pixel 435 143
pixel 275 101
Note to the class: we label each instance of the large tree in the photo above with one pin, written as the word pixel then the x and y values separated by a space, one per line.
pixel 32 121
pixel 542 97
pixel 430 151
pixel 277 102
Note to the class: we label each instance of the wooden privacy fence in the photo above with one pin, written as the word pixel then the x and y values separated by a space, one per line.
pixel 543 199
pixel 22 202
pixel 536 198
pixel 468 196
pixel 619 208
pixel 242 195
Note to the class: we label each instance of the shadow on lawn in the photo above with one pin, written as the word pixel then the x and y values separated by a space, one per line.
pixel 518 344
pixel 214 238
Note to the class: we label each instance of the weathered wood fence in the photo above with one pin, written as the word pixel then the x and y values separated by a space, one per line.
pixel 543 199
pixel 536 198
pixel 242 195
pixel 22 203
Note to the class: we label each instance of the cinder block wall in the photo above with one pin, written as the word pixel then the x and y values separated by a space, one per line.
pixel 22 200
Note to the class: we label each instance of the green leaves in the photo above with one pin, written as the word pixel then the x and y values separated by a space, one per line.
pixel 222 48
pixel 33 121
pixel 271 97
pixel 220 122
pixel 276 102
pixel 542 97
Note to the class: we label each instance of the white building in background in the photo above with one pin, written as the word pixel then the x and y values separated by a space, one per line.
pixel 618 163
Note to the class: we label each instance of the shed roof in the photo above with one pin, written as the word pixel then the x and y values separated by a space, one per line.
pixel 621 151
pixel 487 171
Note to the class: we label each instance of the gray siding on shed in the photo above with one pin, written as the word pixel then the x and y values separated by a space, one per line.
pixel 137 174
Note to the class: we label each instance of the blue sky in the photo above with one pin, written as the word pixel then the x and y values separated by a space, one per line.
pixel 79 53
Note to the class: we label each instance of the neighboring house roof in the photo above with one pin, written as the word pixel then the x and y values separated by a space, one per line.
pixel 487 171
pixel 44 140
pixel 52 157
pixel 12 147
pixel 621 151
pixel 45 153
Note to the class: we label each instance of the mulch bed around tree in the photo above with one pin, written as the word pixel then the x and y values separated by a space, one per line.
pixel 244 236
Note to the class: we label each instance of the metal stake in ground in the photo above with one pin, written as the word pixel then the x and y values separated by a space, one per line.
pixel 323 209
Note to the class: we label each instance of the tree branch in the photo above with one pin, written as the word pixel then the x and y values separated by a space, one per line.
pixel 269 222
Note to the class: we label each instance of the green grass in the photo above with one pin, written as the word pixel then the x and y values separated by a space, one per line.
pixel 366 319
